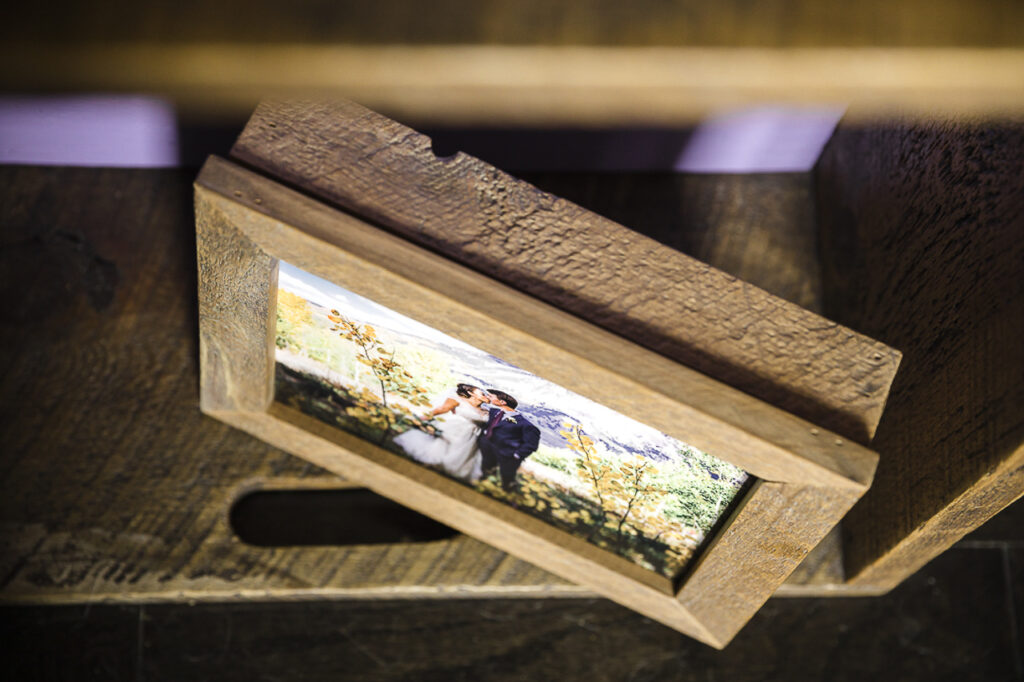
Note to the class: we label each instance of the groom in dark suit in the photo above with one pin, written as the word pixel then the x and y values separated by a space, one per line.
pixel 507 439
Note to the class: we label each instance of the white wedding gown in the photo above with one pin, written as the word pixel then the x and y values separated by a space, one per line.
pixel 454 447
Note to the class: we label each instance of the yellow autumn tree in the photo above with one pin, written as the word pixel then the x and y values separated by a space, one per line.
pixel 293 313
pixel 394 382
pixel 622 490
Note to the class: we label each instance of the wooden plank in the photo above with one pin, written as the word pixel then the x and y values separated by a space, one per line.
pixel 950 622
pixel 921 229
pixel 532 62
pixel 576 260
pixel 538 86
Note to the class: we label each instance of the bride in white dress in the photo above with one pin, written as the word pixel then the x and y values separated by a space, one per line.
pixel 454 448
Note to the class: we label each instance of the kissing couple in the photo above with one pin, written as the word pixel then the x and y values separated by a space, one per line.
pixel 478 432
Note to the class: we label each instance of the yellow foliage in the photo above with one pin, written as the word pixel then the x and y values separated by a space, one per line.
pixel 293 309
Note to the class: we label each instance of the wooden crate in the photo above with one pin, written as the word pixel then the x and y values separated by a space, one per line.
pixel 117 489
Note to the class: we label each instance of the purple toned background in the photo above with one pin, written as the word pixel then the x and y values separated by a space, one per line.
pixel 140 131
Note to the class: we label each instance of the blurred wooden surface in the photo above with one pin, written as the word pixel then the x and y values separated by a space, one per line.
pixel 957 619
pixel 730 23
pixel 532 62
pixel 922 243
pixel 115 487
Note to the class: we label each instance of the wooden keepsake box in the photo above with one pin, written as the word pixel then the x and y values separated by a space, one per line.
pixel 524 370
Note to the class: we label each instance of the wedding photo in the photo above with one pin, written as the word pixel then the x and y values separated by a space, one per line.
pixel 511 435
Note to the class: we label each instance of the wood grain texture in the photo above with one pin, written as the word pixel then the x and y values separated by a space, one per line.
pixel 780 520
pixel 759 227
pixel 576 260
pixel 243 383
pixel 921 230
pixel 812 476
pixel 593 62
